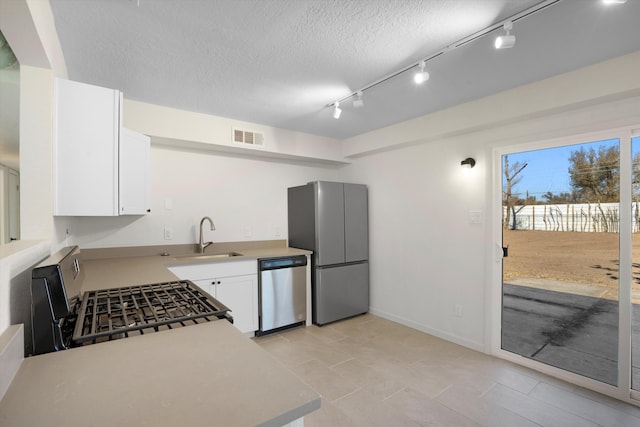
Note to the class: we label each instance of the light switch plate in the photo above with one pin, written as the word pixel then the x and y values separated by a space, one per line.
pixel 475 217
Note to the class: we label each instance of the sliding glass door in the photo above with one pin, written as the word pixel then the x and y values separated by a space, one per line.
pixel 560 233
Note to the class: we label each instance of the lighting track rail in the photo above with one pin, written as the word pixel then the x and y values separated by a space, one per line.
pixel 513 18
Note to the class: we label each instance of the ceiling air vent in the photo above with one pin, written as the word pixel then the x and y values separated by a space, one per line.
pixel 248 138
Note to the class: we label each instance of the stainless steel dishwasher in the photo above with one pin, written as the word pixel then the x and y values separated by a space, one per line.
pixel 282 290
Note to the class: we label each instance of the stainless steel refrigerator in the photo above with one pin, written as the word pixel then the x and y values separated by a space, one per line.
pixel 331 219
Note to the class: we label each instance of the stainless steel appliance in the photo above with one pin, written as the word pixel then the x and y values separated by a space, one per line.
pixel 63 318
pixel 331 219
pixel 282 293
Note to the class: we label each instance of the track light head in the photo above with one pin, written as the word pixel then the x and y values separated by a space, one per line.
pixel 421 76
pixel 505 42
pixel 508 40
pixel 357 103
pixel 337 111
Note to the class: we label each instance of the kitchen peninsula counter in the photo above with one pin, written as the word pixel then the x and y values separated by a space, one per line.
pixel 206 374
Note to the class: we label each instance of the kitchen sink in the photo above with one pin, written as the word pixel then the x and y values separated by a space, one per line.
pixel 208 256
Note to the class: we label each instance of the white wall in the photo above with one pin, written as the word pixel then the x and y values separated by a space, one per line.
pixel 28 27
pixel 189 129
pixel 245 197
pixel 426 256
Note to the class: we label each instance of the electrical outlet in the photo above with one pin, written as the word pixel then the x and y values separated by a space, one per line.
pixel 168 233
pixel 457 310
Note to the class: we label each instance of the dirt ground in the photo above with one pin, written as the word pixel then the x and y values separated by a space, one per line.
pixel 566 260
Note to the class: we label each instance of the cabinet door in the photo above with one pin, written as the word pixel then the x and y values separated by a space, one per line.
pixel 134 172
pixel 86 126
pixel 240 294
pixel 207 285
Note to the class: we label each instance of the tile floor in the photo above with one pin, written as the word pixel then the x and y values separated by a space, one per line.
pixel 374 372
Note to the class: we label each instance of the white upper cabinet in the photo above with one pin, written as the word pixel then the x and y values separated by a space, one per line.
pixel 99 168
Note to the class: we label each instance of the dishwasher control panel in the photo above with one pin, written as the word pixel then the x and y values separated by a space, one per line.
pixel 288 262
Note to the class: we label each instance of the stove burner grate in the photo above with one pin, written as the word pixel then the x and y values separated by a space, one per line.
pixel 113 313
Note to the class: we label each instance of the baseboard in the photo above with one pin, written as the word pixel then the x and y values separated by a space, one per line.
pixel 11 355
pixel 435 332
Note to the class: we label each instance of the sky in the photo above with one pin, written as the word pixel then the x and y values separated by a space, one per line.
pixel 548 169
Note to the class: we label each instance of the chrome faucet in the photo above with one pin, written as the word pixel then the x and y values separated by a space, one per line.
pixel 213 227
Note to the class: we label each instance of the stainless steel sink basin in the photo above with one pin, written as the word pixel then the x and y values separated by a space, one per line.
pixel 208 256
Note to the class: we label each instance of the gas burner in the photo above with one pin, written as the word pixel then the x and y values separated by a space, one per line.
pixel 114 313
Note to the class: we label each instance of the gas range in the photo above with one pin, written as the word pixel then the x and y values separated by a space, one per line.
pixel 63 318
pixel 135 310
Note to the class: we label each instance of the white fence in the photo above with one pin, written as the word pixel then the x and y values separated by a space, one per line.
pixel 581 217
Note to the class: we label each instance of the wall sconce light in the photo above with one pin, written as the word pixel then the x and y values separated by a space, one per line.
pixel 468 163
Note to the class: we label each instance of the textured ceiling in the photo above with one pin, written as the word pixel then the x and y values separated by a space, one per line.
pixel 280 62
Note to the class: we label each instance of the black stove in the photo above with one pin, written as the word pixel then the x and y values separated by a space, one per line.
pixel 63 318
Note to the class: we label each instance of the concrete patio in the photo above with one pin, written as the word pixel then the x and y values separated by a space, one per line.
pixel 574 332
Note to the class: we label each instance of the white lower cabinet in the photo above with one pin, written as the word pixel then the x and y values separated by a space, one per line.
pixel 240 294
pixel 235 284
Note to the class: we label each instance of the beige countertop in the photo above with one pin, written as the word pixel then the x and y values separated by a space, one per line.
pixel 117 267
pixel 207 374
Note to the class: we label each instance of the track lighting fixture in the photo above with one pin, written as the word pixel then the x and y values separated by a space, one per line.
pixel 337 111
pixel 421 76
pixel 508 40
pixel 614 1
pixel 468 163
pixel 357 103
pixel 502 42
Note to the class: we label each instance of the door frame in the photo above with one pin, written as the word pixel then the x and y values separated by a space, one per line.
pixel 494 260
